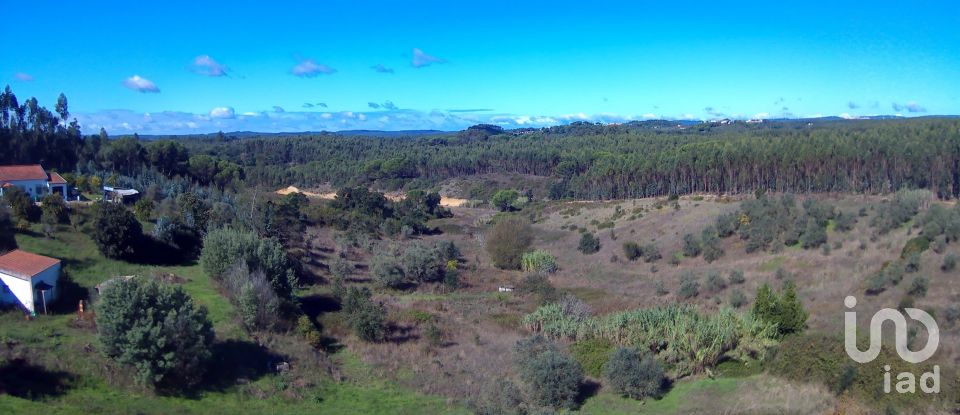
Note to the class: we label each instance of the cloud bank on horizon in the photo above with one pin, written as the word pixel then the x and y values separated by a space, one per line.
pixel 384 116
pixel 329 67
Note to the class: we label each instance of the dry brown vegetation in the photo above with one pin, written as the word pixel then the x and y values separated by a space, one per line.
pixel 480 325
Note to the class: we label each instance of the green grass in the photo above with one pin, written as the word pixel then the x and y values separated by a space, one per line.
pixel 58 345
pixel 773 264
pixel 609 403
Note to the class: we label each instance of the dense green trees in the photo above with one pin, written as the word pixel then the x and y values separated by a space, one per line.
pixel 156 330
pixel 115 230
pixel 638 159
pixel 7 240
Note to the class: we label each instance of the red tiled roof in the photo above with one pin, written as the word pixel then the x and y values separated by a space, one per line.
pixel 57 179
pixel 24 265
pixel 22 172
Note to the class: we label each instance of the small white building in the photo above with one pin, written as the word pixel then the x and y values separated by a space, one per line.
pixel 28 280
pixel 33 179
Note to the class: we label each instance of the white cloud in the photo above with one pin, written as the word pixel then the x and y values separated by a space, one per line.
pixel 222 112
pixel 761 115
pixel 308 68
pixel 23 76
pixel 421 59
pixel 205 65
pixel 649 115
pixel 140 84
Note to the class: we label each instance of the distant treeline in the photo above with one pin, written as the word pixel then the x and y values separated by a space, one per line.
pixel 584 160
pixel 594 161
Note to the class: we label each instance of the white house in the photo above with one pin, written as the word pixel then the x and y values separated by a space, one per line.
pixel 28 280
pixel 33 179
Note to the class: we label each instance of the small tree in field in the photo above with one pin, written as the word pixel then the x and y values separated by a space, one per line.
pixel 552 378
pixel 588 244
pixel 143 209
pixel 504 199
pixel 115 230
pixel 632 250
pixel 691 246
pixel 387 271
pixel 365 316
pixel 508 241
pixel 635 375
pixel 155 329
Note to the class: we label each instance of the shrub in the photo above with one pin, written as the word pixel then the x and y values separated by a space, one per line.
pixel 632 250
pixel 21 206
pixel 711 245
pixel 224 247
pixel 54 208
pixel 727 224
pixel 308 330
pixel 592 354
pixel 504 199
pixel 918 288
pixel 539 261
pixel 552 378
pixel 877 283
pixel 939 244
pixel 715 283
pixel 784 310
pixel 660 289
pixel 433 334
pixel 143 209
pixel 737 298
pixel 387 272
pixel 691 246
pixel 499 397
pixel 736 277
pixel 949 263
pixel 507 242
pixel 588 244
pixel 689 286
pixel 634 374
pixel 422 264
pixel 366 317
pixel 538 285
pixel 814 235
pixel 912 263
pixel 845 222
pixel 249 290
pixel 115 230
pixel 155 329
pixel 447 249
pixel 651 253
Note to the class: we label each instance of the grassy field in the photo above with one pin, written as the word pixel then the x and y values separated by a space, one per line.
pixel 72 377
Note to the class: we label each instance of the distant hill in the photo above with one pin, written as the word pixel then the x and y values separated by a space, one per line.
pixel 248 134
pixel 635 125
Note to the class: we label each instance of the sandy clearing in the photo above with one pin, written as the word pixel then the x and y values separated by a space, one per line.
pixel 393 196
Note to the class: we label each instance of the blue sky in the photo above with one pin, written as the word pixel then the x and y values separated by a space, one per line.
pixel 183 67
